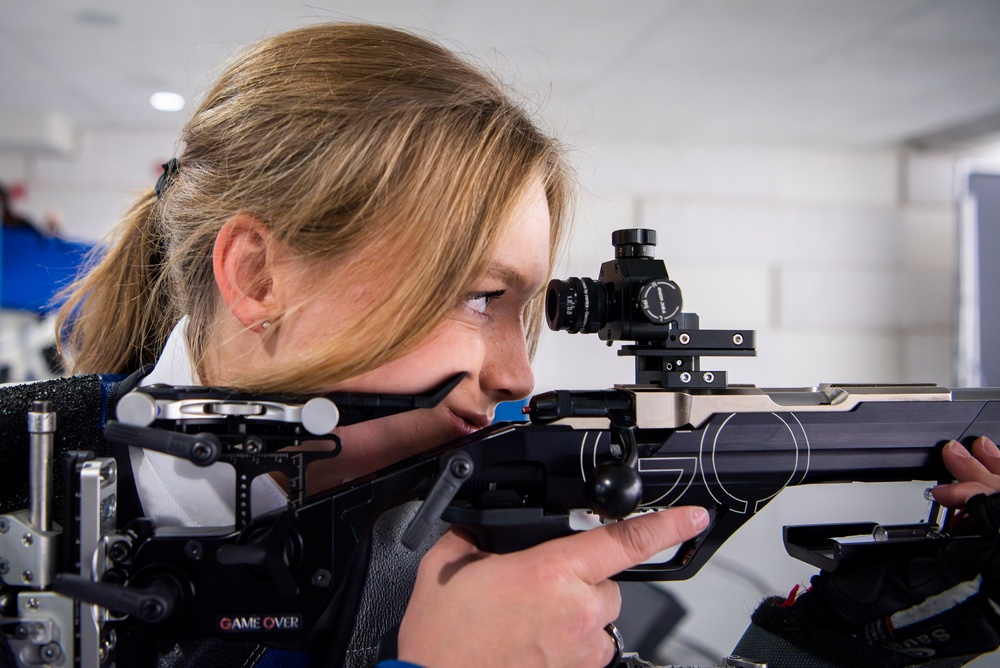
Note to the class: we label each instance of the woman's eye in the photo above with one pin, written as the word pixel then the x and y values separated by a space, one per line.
pixel 480 301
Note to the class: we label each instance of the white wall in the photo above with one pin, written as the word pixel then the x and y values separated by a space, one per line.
pixel 92 185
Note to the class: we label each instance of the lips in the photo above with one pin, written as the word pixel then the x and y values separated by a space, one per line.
pixel 470 421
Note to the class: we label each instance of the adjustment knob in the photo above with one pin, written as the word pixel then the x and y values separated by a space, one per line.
pixel 614 491
pixel 634 242
pixel 660 300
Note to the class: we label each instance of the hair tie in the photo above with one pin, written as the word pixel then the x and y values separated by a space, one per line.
pixel 170 170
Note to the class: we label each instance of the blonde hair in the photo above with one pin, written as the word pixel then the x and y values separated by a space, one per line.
pixel 341 139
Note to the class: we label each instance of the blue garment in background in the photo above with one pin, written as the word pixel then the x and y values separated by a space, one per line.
pixel 34 267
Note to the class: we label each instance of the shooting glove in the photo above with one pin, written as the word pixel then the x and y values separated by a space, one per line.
pixel 940 610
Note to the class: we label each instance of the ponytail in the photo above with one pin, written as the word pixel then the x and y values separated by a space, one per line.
pixel 117 316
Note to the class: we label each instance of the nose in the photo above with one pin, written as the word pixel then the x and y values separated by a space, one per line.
pixel 506 373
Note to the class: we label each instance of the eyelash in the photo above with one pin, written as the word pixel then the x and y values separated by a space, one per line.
pixel 488 296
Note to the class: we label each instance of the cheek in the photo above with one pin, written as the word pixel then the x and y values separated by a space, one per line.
pixel 452 348
pixel 369 446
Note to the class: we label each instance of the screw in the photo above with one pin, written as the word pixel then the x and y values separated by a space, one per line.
pixel 108 643
pixel 27 539
pixel 4 566
pixel 685 377
pixel 4 525
pixel 708 377
pixel 200 451
pixel 27 576
pixel 51 652
pixel 151 610
pixel 32 603
pixel 118 550
pixel 253 445
pixel 322 578
pixel 738 339
pixel 21 632
pixel 460 469
pixel 684 338
pixel 193 550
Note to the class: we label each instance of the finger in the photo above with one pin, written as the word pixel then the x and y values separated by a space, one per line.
pixel 453 550
pixel 967 468
pixel 609 601
pixel 598 554
pixel 956 495
pixel 986 452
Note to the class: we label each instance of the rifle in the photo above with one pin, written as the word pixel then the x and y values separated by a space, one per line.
pixel 678 435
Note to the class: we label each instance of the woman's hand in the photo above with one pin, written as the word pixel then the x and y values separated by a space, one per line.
pixel 975 473
pixel 545 606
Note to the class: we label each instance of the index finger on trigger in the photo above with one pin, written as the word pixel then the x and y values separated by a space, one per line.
pixel 598 554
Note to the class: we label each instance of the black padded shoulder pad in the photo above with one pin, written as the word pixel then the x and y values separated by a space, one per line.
pixel 78 405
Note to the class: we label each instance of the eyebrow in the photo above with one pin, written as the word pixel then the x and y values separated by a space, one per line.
pixel 511 277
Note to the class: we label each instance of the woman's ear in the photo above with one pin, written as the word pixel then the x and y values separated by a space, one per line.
pixel 244 259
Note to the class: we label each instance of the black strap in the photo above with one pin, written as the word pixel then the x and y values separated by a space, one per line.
pixel 129 505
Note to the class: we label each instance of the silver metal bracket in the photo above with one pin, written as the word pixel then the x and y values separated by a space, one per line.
pixel 98 517
pixel 44 633
pixel 27 554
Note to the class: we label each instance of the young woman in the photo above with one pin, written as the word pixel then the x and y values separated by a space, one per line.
pixel 356 208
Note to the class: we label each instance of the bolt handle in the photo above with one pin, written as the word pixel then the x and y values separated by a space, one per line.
pixel 455 471
pixel 155 603
pixel 202 449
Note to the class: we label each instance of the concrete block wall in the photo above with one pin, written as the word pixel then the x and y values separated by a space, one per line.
pixel 845 272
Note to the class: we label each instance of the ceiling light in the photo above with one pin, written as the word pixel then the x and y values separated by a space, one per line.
pixel 166 101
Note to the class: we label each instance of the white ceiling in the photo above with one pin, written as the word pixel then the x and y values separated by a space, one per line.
pixel 866 73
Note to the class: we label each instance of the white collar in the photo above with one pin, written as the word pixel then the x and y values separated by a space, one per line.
pixel 175 492
pixel 174 366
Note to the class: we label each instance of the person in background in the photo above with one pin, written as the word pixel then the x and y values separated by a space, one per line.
pixel 36 262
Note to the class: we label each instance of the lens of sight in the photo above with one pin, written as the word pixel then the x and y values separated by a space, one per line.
pixel 577 305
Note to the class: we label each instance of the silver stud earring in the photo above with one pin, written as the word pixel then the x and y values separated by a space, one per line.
pixel 265 324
